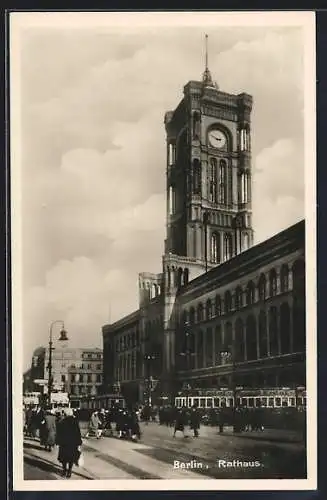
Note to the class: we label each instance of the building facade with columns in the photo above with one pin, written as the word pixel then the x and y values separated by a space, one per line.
pixel 217 293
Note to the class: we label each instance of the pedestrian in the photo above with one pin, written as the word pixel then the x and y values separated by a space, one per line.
pixel 94 425
pixel 50 429
pixel 69 441
pixel 134 426
pixel 180 421
pixel 195 420
pixel 41 425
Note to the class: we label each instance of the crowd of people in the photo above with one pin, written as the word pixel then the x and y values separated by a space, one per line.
pixel 59 428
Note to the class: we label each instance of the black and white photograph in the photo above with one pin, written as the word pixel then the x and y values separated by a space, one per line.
pixel 163 252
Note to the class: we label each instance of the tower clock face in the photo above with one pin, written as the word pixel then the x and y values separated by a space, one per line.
pixel 217 139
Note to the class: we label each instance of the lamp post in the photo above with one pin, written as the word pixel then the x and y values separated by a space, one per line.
pixel 63 337
pixel 229 352
pixel 187 354
pixel 149 358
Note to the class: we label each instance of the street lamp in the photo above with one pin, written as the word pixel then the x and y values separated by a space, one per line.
pixel 149 358
pixel 187 354
pixel 63 337
pixel 229 353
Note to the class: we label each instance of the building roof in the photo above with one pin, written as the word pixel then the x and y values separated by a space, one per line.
pixel 288 240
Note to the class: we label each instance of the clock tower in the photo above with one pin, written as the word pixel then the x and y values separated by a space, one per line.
pixel 209 218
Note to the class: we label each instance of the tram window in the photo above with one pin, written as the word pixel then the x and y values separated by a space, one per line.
pixel 284 402
pixel 271 402
pixel 257 402
pixel 196 401
pixel 244 402
pixel 278 401
pixel 223 402
pixel 189 402
pixel 292 401
pixel 209 402
pixel 202 402
pixel 299 401
pixel 216 402
pixel 238 401
pixel 304 401
pixel 263 401
pixel 230 402
pixel 251 402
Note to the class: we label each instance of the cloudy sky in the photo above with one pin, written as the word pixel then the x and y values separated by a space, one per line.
pixel 93 156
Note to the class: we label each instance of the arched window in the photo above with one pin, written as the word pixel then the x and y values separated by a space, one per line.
pixel 250 293
pixel 215 248
pixel 239 340
pixel 273 331
pixel 238 297
pixel 285 328
pixel 208 309
pixel 209 347
pixel 196 176
pixel 251 338
pixel 272 283
pixel 228 302
pixel 172 200
pixel 298 272
pixel 200 312
pixel 228 338
pixel 218 305
pixel 171 154
pixel 299 316
pixel 263 337
pixel 185 318
pixel 262 287
pixel 222 181
pixel 246 241
pixel 218 344
pixel 213 181
pixel 199 348
pixel 243 188
pixel 284 278
pixel 196 125
pixel 228 246
pixel 192 316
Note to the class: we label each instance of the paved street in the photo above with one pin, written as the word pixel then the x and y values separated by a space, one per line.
pixel 156 456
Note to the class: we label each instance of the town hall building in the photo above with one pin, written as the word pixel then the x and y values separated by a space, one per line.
pixel 222 311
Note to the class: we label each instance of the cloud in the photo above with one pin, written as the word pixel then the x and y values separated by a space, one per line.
pixel 278 188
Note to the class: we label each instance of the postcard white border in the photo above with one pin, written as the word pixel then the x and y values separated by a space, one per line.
pixel 132 20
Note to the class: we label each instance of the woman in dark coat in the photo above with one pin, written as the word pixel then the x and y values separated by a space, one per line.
pixel 195 420
pixel 69 441
pixel 180 422
pixel 50 429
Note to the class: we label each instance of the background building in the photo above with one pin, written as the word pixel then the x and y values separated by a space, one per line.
pixel 219 302
pixel 74 370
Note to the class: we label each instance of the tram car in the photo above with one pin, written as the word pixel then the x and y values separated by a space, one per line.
pixel 251 398
pixel 104 401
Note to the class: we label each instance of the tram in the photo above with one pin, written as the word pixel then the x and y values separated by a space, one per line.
pixel 105 401
pixel 247 398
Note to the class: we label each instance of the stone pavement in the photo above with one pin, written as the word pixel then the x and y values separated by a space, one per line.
pixel 104 459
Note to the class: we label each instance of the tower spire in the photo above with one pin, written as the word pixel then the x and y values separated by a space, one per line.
pixel 206 77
